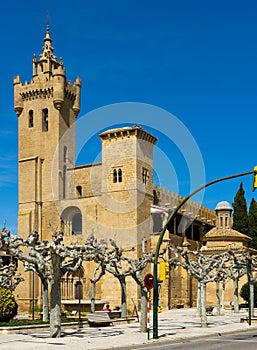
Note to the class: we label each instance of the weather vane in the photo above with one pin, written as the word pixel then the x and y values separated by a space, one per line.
pixel 47 21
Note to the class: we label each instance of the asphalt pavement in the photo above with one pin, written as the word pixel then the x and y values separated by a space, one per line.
pixel 175 325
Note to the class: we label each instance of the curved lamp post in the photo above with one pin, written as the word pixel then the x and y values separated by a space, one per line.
pixel 162 232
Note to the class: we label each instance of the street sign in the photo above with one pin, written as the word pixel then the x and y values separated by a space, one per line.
pixel 149 281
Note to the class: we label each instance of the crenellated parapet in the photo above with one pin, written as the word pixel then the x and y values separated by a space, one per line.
pixel 169 200
pixel 127 132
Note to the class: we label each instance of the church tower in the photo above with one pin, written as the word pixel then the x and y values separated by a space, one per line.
pixel 127 183
pixel 46 108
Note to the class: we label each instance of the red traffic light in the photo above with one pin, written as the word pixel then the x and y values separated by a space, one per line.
pixel 149 281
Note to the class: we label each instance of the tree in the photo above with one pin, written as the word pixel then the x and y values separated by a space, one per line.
pixel 244 293
pixel 8 305
pixel 50 260
pixel 9 278
pixel 252 220
pixel 240 216
pixel 204 268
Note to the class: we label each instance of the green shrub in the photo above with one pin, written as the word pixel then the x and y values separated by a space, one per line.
pixel 8 305
pixel 245 295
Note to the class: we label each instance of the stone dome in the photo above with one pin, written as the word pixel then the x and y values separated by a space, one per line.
pixel 224 205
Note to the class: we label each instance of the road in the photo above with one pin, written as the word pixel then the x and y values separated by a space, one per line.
pixel 239 341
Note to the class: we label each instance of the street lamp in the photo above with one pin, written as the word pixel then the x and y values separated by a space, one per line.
pixel 162 232
pixel 247 266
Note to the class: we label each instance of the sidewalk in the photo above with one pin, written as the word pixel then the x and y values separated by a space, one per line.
pixel 175 325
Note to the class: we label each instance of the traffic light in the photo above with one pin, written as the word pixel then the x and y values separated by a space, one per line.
pixel 254 178
pixel 164 270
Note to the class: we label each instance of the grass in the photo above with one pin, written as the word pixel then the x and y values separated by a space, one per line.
pixel 28 322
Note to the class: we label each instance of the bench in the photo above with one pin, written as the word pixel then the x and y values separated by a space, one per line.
pixel 99 318
pixel 114 314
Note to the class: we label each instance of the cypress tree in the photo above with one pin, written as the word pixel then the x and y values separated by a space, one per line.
pixel 253 223
pixel 240 216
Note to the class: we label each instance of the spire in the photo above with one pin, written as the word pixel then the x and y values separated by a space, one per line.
pixel 48 48
pixel 47 62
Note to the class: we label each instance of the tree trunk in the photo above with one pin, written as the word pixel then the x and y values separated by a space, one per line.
pixel 203 305
pixel 198 299
pixel 45 300
pixel 223 295
pixel 92 297
pixel 123 297
pixel 55 294
pixel 218 298
pixel 143 317
pixel 236 305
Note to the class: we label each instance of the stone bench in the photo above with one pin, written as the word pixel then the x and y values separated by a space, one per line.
pixel 99 318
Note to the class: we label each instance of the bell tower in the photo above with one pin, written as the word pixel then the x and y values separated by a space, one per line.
pixel 46 108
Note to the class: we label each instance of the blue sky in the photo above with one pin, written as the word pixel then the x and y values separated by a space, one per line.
pixel 194 59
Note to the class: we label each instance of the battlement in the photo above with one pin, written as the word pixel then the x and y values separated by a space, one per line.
pixel 168 200
pixel 127 132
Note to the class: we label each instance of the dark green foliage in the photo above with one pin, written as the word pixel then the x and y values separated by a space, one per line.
pixel 245 295
pixel 240 216
pixel 252 219
pixel 8 305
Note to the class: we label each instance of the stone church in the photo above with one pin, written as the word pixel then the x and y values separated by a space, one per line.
pixel 115 198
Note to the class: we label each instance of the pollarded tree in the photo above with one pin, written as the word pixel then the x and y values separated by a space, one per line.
pixel 252 220
pixel 50 260
pixel 9 278
pixel 122 265
pixel 240 216
pixel 204 268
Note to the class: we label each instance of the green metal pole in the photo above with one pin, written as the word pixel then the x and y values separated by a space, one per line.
pixel 249 291
pixel 162 232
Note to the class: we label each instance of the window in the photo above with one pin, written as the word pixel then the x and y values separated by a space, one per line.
pixel 72 221
pixel 144 175
pixel 117 175
pixel 79 191
pixel 77 224
pixel 64 181
pixel 221 222
pixel 120 175
pixel 45 119
pixel 31 119
pixel 65 153
pixel 114 175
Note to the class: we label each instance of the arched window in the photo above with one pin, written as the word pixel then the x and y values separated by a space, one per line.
pixel 120 175
pixel 72 221
pixel 77 224
pixel 114 175
pixel 45 119
pixel 31 119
